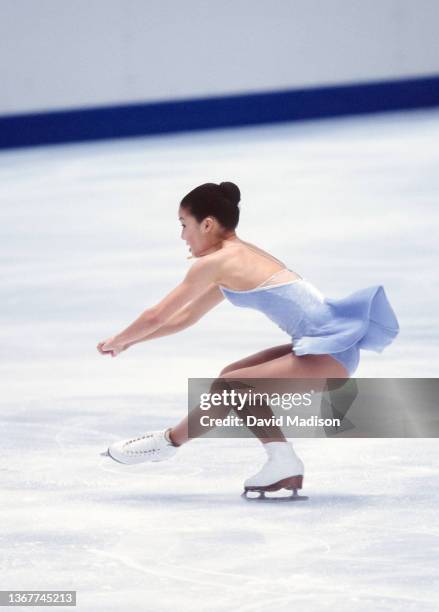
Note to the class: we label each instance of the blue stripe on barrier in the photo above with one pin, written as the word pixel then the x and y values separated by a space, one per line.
pixel 215 112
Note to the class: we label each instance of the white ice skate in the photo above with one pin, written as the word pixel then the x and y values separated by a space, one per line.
pixel 283 470
pixel 152 446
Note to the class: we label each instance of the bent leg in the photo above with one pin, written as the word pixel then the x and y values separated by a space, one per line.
pixel 179 434
pixel 287 366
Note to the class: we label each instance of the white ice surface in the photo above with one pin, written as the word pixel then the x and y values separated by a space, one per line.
pixel 89 238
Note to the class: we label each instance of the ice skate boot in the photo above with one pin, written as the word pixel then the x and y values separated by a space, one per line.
pixel 283 470
pixel 152 446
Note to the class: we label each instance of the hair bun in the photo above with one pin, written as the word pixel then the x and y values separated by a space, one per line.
pixel 231 191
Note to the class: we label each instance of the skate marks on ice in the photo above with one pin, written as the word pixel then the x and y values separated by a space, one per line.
pixel 166 522
pixel 87 433
pixel 270 575
pixel 79 429
pixel 238 586
pixel 197 569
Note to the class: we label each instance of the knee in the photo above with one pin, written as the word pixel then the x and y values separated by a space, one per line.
pixel 228 378
pixel 219 385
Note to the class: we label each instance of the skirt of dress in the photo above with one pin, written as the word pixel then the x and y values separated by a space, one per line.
pixel 362 320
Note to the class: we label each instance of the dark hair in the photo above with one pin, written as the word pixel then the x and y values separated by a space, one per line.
pixel 220 201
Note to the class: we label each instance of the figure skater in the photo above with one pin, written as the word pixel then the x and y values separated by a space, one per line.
pixel 326 334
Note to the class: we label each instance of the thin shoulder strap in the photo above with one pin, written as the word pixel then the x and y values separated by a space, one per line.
pixel 272 276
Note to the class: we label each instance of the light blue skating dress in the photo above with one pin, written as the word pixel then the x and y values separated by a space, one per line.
pixel 319 325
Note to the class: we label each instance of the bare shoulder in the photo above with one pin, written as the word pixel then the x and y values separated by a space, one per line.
pixel 230 259
pixel 233 265
pixel 216 268
pixel 208 267
pixel 210 261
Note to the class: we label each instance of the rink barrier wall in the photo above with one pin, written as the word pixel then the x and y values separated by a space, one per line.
pixel 130 120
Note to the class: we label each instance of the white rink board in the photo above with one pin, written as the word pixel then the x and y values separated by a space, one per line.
pixel 73 55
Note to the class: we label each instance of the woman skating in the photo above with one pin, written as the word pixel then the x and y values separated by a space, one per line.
pixel 326 334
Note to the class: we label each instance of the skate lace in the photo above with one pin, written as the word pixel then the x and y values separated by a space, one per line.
pixel 141 451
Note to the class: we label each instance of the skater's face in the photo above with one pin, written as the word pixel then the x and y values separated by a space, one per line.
pixel 200 237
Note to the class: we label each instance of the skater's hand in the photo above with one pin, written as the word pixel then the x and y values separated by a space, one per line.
pixel 111 346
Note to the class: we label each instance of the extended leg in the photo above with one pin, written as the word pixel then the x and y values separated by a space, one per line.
pixel 180 432
pixel 190 427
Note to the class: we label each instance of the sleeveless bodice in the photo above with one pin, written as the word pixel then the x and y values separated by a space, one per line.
pixel 294 306
pixel 319 325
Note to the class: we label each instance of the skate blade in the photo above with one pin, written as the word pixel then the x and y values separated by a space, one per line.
pixel 107 454
pixel 261 497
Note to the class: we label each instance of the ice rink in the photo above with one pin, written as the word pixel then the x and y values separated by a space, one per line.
pixel 90 239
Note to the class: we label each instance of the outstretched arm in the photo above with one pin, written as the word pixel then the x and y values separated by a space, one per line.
pixel 188 315
pixel 198 279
